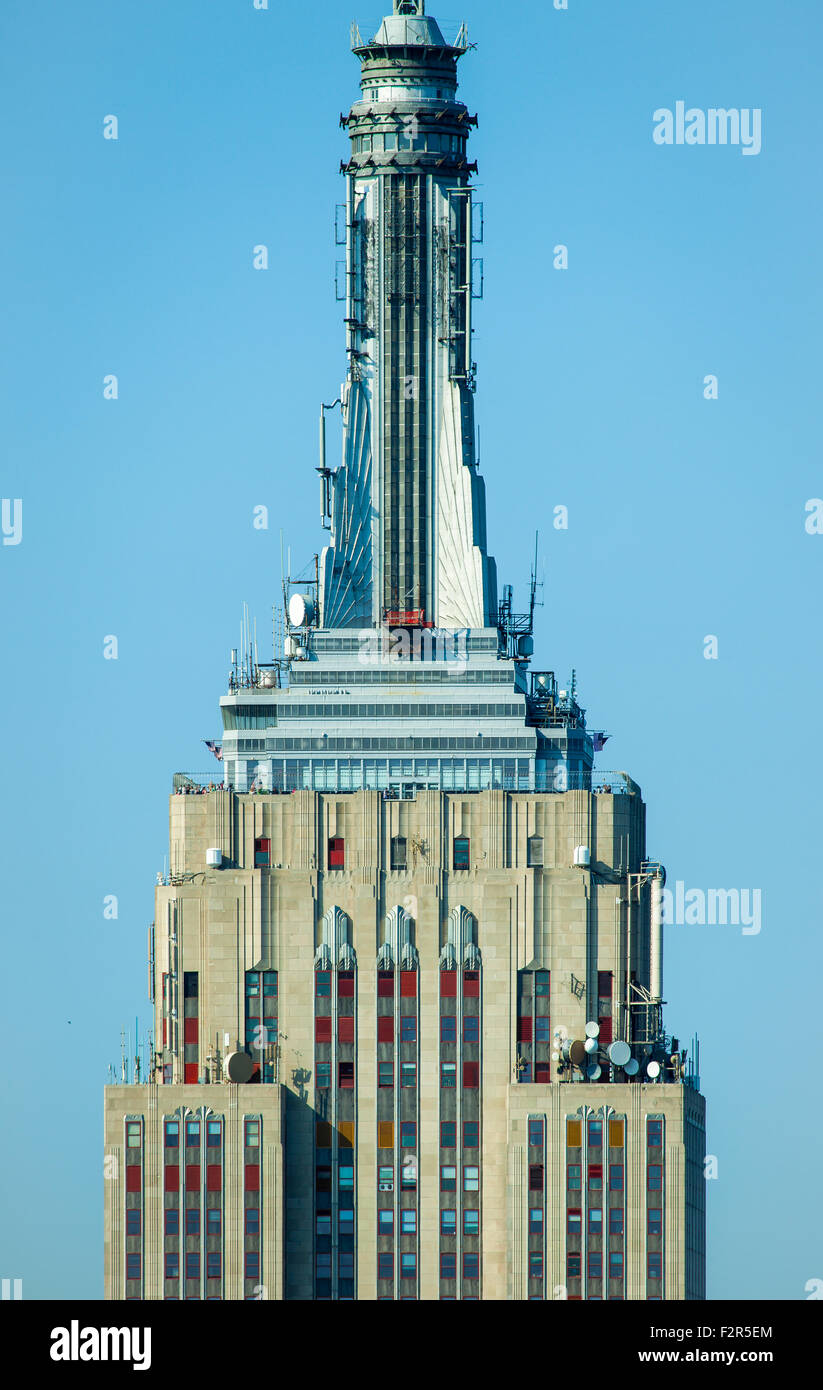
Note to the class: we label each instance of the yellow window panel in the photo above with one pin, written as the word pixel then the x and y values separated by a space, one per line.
pixel 385 1134
pixel 573 1134
pixel 616 1134
pixel 345 1132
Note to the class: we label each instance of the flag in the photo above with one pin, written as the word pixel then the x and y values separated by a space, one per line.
pixel 599 739
pixel 215 748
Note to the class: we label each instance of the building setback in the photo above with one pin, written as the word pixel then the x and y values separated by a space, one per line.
pixel 406 965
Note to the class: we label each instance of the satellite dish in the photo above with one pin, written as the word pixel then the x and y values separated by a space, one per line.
pixel 239 1067
pixel 653 1069
pixel 577 1052
pixel 301 610
pixel 593 1071
pixel 590 1045
pixel 619 1053
pixel 632 1067
pixel 592 1029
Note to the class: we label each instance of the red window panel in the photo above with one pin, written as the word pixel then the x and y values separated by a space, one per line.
pixel 346 1076
pixel 385 1028
pixel 322 1029
pixel 524 1030
pixel 190 1030
pixel 337 853
pixel 262 853
pixel 471 1074
pixel 214 1174
pixel 408 984
pixel 165 1039
pixel 252 1177
pixel 448 984
pixel 132 1177
pixel 542 1071
pixel 345 1028
pixel 605 1030
pixel 172 1177
pixel 345 984
pixel 471 984
pixel 385 984
pixel 193 1177
pixel 190 1073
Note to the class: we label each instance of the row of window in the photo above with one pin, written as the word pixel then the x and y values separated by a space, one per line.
pixel 435 141
pixel 214 1134
pixel 214 1221
pixel 594 1134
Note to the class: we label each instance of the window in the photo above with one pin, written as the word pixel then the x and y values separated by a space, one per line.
pixel 542 1072
pixel 262 853
pixel 133 1265
pixel 133 1171
pixel 655 1264
pixel 385 1073
pixel 132 1134
pixel 214 1222
pixel 252 1264
pixel 345 1134
pixel 192 1264
pixel 385 984
pixel 615 1177
pixel 270 983
pixel 574 1221
pixel 385 1177
pixel 573 1134
pixel 252 1223
pixel 616 1134
pixel 534 852
pixel 385 1265
pixel 408 1173
pixel 448 984
pixel 252 1177
pixel 536 1133
pixel 345 984
pixel 385 1221
pixel 595 1175
pixel 408 984
pixel 322 1029
pixel 471 1177
pixel 448 1264
pixel 541 983
pixel 252 984
pixel 172 1134
pixel 448 1220
pixel 213 1130
pixel 408 1028
pixel 654 1133
pixel 595 1221
pixel 346 1076
pixel 535 1264
pixel 408 1264
pixel 193 1177
pixel 322 984
pixel 595 1134
pixel 535 1177
pixel 171 1224
pixel 322 1135
pixel 471 1074
pixel 471 1028
pixel 385 1134
pixel 448 1028
pixel 345 1221
pixel 524 1030
pixel 172 1265
pixel 252 1134
pixel 655 1177
pixel 448 1178
pixel 398 852
pixel 615 1264
pixel 655 1221
pixel 212 1264
pixel 193 1134
pixel 573 1176
pixel 192 1221
pixel 615 1221
pixel 345 1028
pixel 471 1264
pixel 408 1134
pixel 594 1262
pixel 573 1264
pixel 385 1028
pixel 471 1134
pixel 448 1073
pixel 542 1029
pixel 408 1221
pixel 535 1221
pixel 408 1073
pixel 461 853
pixel 448 1134
pixel 471 1222
pixel 171 1177
pixel 323 1075
pixel 471 984
pixel 133 1221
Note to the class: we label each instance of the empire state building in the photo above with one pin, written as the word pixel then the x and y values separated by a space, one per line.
pixel 406 965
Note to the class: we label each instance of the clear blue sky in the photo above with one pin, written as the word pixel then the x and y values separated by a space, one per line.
pixel 686 516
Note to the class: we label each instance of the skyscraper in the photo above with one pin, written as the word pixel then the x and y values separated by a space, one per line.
pixel 406 965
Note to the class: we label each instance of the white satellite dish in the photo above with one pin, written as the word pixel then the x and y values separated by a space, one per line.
pixel 301 610
pixel 590 1045
pixel 593 1071
pixel 592 1029
pixel 619 1053
pixel 653 1069
pixel 632 1067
